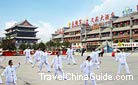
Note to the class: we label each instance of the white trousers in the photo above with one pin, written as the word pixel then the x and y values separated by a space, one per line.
pixel 1 80
pixel 126 67
pixel 47 65
pixel 11 83
pixel 59 70
pixel 28 58
pixel 71 58
pixel 92 80
pixel 35 61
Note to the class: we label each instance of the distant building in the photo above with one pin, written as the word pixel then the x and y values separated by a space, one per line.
pixel 23 32
pixel 121 32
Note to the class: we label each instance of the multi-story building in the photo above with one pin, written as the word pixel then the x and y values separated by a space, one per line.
pixel 125 31
pixel 23 32
pixel 122 32
pixel 74 35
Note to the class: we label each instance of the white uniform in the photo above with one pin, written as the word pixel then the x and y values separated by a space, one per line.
pixel 121 57
pixel 44 60
pixel 70 56
pixel 95 58
pixel 87 68
pixel 37 56
pixel 57 62
pixel 10 74
pixel 27 53
pixel 1 60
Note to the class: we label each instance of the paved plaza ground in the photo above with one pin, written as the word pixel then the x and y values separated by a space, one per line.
pixel 27 74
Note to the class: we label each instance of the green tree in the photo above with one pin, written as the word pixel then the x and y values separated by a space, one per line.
pixel 23 46
pixel 8 44
pixel 50 44
pixel 41 45
pixel 35 46
pixel 58 44
pixel 66 44
pixel 29 45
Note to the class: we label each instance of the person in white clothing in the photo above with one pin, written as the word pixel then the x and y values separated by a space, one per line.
pixel 87 69
pixel 95 58
pixel 70 56
pixel 1 60
pixel 57 63
pixel 44 60
pixel 27 53
pixel 121 57
pixel 10 73
pixel 37 56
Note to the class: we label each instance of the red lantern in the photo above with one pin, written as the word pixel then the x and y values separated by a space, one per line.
pixel 72 23
pixel 87 24
pixel 114 32
pixel 127 23
pixel 120 32
pixel 92 20
pixel 135 20
pixel 114 24
pixel 76 23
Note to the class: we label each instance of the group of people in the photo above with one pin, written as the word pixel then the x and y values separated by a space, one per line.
pixel 86 67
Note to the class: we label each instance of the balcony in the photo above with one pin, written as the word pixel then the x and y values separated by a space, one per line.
pixel 93 39
pixel 106 38
pixel 74 40
pixel 121 36
pixel 121 28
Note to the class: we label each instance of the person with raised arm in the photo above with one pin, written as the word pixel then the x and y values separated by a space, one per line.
pixel 10 73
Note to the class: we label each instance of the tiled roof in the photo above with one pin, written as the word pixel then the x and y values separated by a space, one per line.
pixel 24 23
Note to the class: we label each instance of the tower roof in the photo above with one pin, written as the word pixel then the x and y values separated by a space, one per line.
pixel 24 23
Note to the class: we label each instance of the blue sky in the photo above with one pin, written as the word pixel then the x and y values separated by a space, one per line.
pixel 53 14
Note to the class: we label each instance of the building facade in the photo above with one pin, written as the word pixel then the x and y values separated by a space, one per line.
pixel 119 32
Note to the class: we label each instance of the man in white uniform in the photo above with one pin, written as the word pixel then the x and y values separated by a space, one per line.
pixel 10 73
pixel 27 53
pixel 37 56
pixel 70 56
pixel 57 63
pixel 121 57
pixel 87 68
pixel 95 58
pixel 44 60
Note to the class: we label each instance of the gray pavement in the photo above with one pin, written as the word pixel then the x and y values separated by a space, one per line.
pixel 29 76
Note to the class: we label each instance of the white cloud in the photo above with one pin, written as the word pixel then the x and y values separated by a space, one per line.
pixel 10 24
pixel 116 6
pixel 45 30
pixel 7 25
